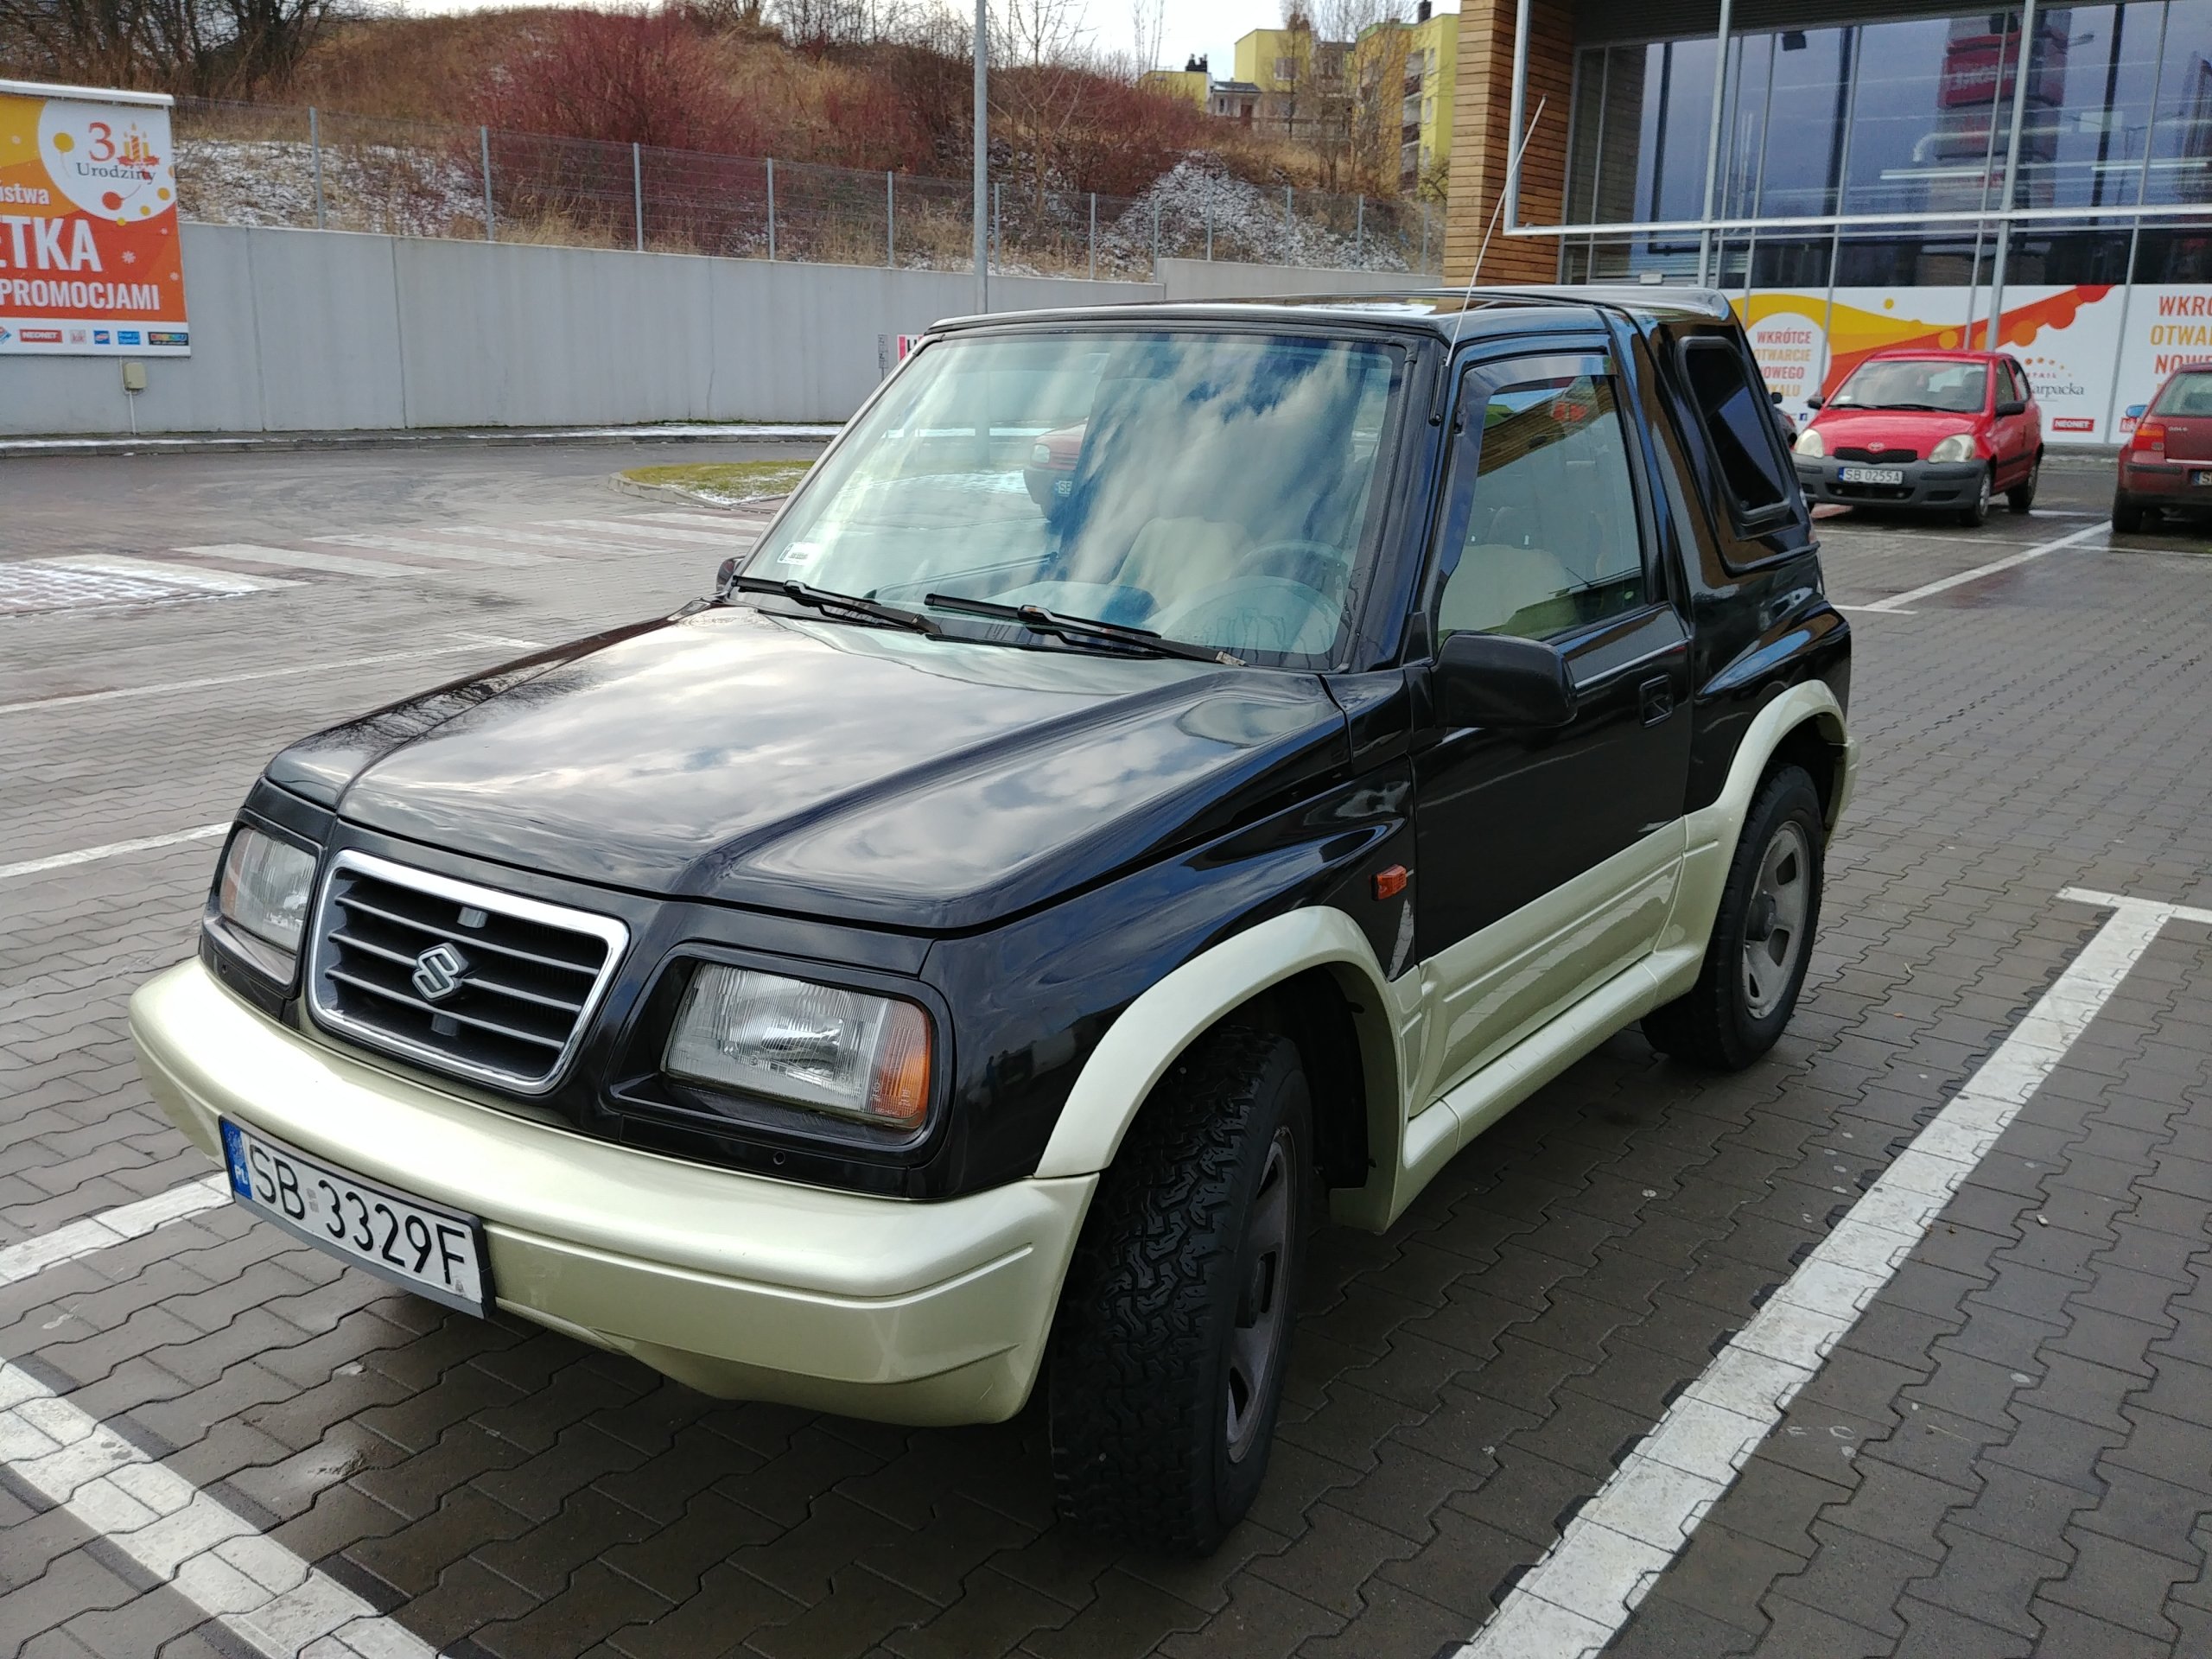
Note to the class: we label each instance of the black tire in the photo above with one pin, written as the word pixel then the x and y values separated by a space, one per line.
pixel 2126 516
pixel 2021 495
pixel 1978 515
pixel 1721 1022
pixel 1149 1445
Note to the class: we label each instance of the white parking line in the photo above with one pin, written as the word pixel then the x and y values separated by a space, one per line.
pixel 293 558
pixel 426 549
pixel 183 575
pixel 207 1552
pixel 1578 1597
pixel 213 1556
pixel 21 1261
pixel 466 642
pixel 1898 601
pixel 113 848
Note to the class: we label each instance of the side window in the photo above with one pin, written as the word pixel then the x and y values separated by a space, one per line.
pixel 1551 540
pixel 1739 426
pixel 2018 381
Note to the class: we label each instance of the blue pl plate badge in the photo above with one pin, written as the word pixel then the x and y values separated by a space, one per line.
pixel 234 1158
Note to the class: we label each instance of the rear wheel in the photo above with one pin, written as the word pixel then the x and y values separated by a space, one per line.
pixel 1762 938
pixel 1168 1355
pixel 2021 495
pixel 2127 515
pixel 1985 491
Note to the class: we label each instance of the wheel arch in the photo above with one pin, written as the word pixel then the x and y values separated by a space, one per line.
pixel 1309 973
pixel 1804 726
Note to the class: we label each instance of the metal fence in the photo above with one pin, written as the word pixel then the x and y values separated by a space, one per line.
pixel 261 164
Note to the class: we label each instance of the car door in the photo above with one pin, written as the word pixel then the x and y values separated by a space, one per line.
pixel 2017 431
pixel 1547 860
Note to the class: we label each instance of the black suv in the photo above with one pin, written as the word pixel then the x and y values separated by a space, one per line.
pixel 975 941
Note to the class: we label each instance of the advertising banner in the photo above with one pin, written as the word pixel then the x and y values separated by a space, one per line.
pixel 89 260
pixel 2092 353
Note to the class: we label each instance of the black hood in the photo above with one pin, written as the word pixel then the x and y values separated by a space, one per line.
pixel 829 769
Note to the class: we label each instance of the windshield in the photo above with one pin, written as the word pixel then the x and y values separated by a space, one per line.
pixel 1944 383
pixel 2185 395
pixel 1211 488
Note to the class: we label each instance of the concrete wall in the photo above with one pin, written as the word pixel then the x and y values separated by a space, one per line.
pixel 1219 279
pixel 325 330
pixel 305 331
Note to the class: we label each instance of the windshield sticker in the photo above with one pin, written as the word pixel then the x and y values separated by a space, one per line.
pixel 800 553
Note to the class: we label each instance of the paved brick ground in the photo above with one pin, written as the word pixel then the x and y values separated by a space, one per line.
pixel 2012 1453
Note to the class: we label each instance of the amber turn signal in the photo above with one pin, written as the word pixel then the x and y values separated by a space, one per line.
pixel 1390 883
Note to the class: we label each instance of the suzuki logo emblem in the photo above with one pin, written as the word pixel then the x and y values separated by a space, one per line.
pixel 439 972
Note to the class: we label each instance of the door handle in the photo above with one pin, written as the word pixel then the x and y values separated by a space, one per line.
pixel 1656 698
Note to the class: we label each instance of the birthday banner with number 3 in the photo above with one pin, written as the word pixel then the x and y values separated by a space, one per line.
pixel 89 259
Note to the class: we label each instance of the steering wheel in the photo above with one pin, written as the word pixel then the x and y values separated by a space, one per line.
pixel 1319 566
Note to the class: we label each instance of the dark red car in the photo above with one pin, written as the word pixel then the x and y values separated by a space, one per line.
pixel 1930 431
pixel 2167 464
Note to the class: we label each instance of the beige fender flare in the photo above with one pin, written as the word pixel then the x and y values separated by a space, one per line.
pixel 1164 1021
pixel 1715 828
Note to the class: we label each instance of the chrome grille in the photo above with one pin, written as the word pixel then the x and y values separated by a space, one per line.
pixel 486 984
pixel 1880 457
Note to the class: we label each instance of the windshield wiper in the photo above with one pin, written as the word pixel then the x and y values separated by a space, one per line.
pixel 823 599
pixel 1038 620
pixel 1939 408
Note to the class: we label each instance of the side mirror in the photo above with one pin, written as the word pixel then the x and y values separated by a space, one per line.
pixel 1815 403
pixel 1490 679
pixel 2013 407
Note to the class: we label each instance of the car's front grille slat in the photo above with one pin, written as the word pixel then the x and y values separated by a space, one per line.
pixel 353 903
pixel 486 984
pixel 1885 456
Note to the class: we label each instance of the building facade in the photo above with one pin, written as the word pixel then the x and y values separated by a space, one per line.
pixel 1423 57
pixel 1854 177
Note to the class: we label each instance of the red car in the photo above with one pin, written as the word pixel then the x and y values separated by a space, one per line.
pixel 2168 460
pixel 1935 431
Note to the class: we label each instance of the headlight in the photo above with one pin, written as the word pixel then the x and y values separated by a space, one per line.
pixel 1041 455
pixel 1958 447
pixel 262 898
pixel 844 1052
pixel 1810 442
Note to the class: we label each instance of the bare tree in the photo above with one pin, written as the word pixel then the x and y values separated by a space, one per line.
pixel 190 45
pixel 1040 52
pixel 1149 22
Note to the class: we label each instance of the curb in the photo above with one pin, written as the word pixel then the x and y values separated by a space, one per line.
pixel 665 492
pixel 254 443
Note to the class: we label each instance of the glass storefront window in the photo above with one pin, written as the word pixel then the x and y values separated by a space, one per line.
pixel 1811 100
pixel 2092 70
pixel 2180 127
pixel 1929 107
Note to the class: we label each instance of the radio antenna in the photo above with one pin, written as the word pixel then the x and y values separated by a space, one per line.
pixel 1512 179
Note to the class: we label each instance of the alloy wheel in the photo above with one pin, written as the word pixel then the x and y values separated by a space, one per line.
pixel 1774 928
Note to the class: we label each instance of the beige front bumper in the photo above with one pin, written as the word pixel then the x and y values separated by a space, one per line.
pixel 737 1285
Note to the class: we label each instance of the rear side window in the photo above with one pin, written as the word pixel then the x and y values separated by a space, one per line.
pixel 2185 395
pixel 1734 413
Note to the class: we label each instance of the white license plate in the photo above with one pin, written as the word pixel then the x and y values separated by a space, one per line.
pixel 1871 474
pixel 2202 475
pixel 435 1252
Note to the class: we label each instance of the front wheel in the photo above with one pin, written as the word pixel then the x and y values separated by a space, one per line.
pixel 1977 515
pixel 2021 495
pixel 1762 937
pixel 1168 1353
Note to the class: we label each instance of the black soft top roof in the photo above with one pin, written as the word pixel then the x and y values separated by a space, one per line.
pixel 1433 311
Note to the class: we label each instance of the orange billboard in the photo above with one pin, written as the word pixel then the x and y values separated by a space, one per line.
pixel 89 259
